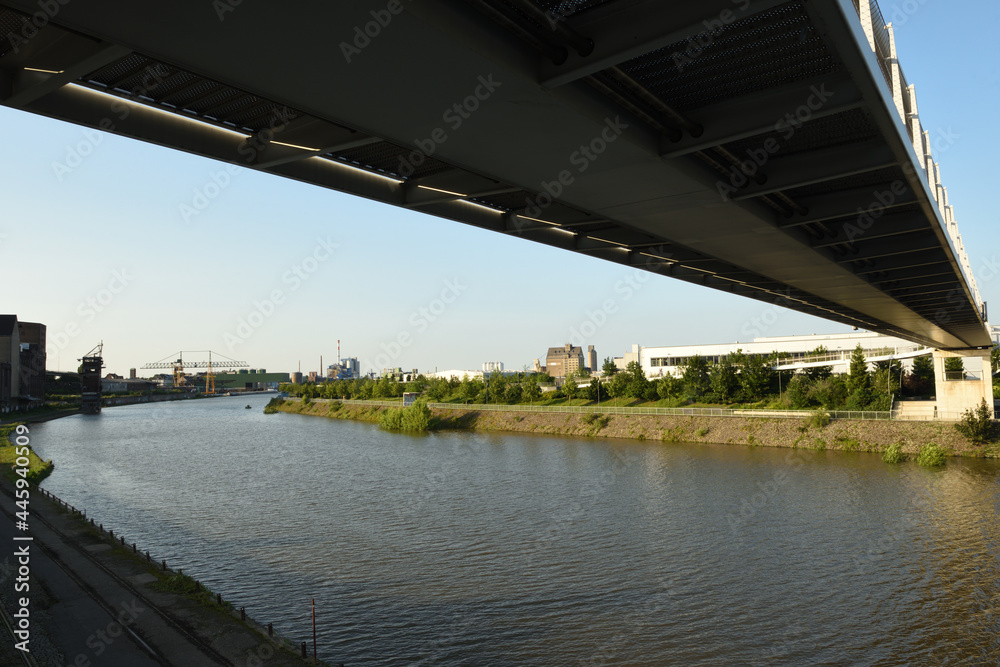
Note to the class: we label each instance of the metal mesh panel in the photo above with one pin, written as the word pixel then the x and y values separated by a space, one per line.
pixel 389 159
pixel 179 89
pixel 11 27
pixel 849 127
pixel 566 8
pixel 772 48
pixel 506 201
pixel 879 177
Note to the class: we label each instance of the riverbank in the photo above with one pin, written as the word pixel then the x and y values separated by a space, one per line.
pixel 807 433
pixel 84 578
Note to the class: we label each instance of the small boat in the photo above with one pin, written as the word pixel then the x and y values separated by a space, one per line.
pixel 248 407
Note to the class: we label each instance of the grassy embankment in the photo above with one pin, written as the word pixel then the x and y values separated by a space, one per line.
pixel 816 432
pixel 37 468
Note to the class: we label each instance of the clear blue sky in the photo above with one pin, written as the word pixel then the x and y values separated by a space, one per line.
pixel 101 252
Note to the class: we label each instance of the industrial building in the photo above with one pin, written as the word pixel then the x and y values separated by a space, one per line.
pixel 563 361
pixel 249 379
pixel 347 369
pixel 22 364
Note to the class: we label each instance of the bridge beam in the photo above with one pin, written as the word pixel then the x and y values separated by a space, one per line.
pixel 623 33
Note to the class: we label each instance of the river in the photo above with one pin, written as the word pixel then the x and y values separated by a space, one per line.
pixel 503 549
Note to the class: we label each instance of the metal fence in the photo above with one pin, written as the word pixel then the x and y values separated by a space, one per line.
pixel 624 410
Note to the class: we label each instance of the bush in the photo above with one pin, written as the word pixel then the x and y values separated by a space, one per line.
pixel 818 419
pixel 977 425
pixel 894 453
pixel 416 418
pixel 391 419
pixel 273 405
pixel 930 456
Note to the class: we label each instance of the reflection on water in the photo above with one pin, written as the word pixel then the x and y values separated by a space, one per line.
pixel 467 548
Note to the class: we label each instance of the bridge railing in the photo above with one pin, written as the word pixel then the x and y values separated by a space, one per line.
pixel 883 42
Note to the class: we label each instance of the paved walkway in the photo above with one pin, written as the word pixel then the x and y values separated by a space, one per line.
pixel 91 603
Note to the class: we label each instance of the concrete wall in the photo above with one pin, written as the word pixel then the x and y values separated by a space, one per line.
pixel 953 397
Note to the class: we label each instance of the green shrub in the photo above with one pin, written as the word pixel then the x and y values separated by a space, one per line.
pixel 273 405
pixel 978 425
pixel 391 419
pixel 894 453
pixel 416 418
pixel 931 455
pixel 701 433
pixel 818 419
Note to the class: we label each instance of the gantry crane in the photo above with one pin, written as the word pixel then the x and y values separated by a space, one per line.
pixel 179 365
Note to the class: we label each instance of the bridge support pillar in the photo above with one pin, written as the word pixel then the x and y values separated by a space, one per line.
pixel 956 391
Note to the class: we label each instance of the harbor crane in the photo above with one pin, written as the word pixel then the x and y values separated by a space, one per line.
pixel 178 365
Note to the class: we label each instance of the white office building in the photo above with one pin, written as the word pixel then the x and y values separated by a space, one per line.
pixel 659 361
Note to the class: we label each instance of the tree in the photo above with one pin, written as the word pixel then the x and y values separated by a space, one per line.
pixel 618 385
pixel 797 394
pixel 695 377
pixel 920 380
pixel 755 377
pixel 512 394
pixel 530 391
pixel 569 387
pixel 609 368
pixel 858 377
pixel 953 366
pixel 724 382
pixel 669 387
pixel 637 382
pixel 818 372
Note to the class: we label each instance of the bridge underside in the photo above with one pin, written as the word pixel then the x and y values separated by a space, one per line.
pixel 612 128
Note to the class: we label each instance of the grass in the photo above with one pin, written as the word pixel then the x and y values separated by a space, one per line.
pixel 38 469
pixel 182 584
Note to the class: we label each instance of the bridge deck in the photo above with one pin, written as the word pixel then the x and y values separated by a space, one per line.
pixel 733 145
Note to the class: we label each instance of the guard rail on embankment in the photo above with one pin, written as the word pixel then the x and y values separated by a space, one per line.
pixel 622 410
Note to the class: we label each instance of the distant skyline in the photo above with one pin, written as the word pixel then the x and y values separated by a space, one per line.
pixel 155 251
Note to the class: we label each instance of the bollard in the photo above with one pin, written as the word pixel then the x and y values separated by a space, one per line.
pixel 147 556
pixel 304 655
pixel 164 565
pixel 133 547
pixel 123 540
pixel 102 527
pixel 270 629
pixel 243 613
pixel 218 598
